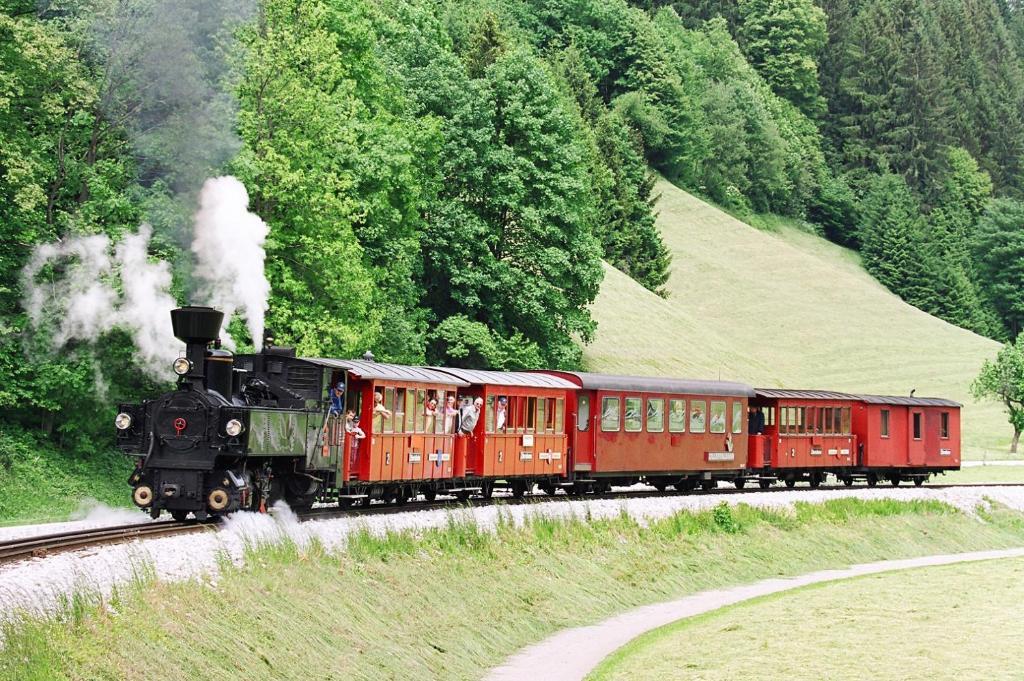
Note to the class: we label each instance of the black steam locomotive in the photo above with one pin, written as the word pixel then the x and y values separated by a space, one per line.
pixel 237 433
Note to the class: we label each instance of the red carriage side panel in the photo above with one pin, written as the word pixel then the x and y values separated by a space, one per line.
pixel 805 429
pixel 521 432
pixel 637 426
pixel 908 432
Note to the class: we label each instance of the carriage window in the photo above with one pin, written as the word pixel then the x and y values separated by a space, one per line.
pixel 917 425
pixel 634 416
pixel 421 410
pixel 769 416
pixel 410 412
pixel 610 414
pixel 827 428
pixel 541 415
pixel 846 421
pixel 944 425
pixel 718 417
pixel 489 417
pixel 677 416
pixel 801 420
pixel 737 417
pixel 530 405
pixel 698 424
pixel 437 406
pixel 885 423
pixel 559 415
pixel 656 416
pixel 783 419
pixel 516 405
pixel 583 417
pixel 549 415
pixel 389 404
pixel 820 427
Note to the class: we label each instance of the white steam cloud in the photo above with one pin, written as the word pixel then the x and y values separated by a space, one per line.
pixel 229 252
pixel 97 286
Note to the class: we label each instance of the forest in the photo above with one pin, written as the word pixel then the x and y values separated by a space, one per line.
pixel 443 178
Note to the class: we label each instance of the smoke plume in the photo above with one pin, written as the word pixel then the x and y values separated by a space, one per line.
pixel 95 287
pixel 228 246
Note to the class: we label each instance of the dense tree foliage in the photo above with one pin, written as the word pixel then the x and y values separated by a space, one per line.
pixel 442 178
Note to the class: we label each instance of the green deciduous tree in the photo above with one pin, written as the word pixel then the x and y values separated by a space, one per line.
pixel 329 159
pixel 1003 380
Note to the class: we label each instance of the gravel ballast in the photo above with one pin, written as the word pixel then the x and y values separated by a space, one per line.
pixel 39 585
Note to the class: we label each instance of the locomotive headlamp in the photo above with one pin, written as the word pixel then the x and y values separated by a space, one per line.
pixel 233 427
pixel 182 366
pixel 123 421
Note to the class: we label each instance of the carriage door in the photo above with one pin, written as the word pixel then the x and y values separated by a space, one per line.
pixel 583 433
pixel 915 449
pixel 931 436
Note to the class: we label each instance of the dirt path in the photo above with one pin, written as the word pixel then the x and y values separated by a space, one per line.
pixel 571 654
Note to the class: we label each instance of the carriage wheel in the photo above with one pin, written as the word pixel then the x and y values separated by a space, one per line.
pixel 764 484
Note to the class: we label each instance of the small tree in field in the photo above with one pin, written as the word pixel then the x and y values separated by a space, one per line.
pixel 1004 380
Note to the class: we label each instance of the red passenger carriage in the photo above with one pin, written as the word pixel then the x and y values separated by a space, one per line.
pixel 661 430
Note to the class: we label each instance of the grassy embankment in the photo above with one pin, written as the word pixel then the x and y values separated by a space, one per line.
pixel 952 622
pixel 40 483
pixel 453 602
pixel 781 307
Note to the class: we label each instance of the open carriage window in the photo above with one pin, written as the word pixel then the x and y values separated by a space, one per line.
pixel 435 398
pixel 944 425
pixel 410 412
pixel 389 402
pixel 421 410
pixel 489 416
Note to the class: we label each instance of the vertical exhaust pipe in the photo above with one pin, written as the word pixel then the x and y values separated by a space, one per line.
pixel 196 327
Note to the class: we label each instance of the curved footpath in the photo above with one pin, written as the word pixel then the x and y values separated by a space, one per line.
pixel 574 653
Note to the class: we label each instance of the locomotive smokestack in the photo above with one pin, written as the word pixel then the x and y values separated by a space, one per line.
pixel 197 327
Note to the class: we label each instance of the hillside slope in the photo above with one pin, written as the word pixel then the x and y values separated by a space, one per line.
pixel 783 308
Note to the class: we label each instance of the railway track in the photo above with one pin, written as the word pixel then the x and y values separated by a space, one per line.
pixel 44 545
pixel 47 544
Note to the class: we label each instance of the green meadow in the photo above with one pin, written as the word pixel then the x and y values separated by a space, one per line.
pixel 781 307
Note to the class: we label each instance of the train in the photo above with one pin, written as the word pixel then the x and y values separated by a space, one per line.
pixel 242 432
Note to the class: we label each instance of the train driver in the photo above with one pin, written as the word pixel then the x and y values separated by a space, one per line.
pixel 338 399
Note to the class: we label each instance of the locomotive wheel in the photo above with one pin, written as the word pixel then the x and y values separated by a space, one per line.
pixel 764 484
pixel 791 482
pixel 740 483
pixel 179 515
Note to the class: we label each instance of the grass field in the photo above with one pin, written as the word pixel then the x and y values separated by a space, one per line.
pixel 951 622
pixel 782 307
pixel 979 474
pixel 450 603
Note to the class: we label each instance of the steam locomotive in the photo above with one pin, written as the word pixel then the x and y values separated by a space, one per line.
pixel 240 432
